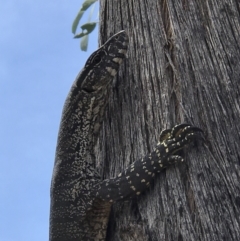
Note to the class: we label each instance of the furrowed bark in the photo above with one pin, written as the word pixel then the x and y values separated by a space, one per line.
pixel 182 66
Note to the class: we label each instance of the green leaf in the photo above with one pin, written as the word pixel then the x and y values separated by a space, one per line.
pixel 80 35
pixel 84 7
pixel 84 43
pixel 76 21
pixel 91 13
pixel 87 4
pixel 87 28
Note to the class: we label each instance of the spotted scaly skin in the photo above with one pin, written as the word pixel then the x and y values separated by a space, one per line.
pixel 138 176
pixel 80 200
pixel 74 174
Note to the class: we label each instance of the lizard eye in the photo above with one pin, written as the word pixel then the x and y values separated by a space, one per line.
pixel 88 90
pixel 97 59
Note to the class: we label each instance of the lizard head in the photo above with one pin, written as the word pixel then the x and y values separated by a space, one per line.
pixel 103 64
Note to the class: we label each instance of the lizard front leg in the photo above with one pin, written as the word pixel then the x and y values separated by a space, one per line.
pixel 138 176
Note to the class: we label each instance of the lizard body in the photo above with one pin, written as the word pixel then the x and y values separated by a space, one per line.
pixel 80 200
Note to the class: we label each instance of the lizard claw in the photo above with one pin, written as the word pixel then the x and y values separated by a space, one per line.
pixel 177 131
pixel 175 139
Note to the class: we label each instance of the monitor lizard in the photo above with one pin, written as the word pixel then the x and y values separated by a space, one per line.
pixel 80 200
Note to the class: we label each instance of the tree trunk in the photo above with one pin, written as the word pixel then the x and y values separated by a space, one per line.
pixel 183 66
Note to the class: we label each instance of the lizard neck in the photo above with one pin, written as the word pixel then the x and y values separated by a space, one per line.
pixel 81 120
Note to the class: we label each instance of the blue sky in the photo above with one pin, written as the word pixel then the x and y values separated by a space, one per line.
pixel 39 59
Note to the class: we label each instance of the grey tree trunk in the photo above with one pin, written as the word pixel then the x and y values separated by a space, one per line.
pixel 183 66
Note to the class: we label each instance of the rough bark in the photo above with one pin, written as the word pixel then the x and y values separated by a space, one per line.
pixel 183 66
